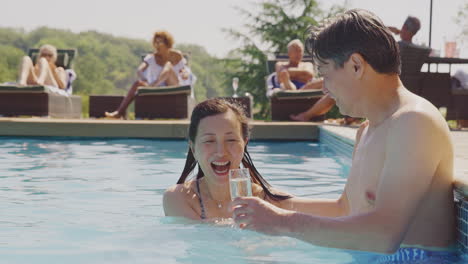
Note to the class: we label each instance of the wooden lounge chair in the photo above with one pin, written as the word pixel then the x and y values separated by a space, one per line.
pixel 38 100
pixel 164 102
pixel 285 103
pixel 412 59
pixel 459 106
pixel 435 87
pixel 41 100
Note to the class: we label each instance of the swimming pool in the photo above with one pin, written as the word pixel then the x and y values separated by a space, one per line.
pixel 100 201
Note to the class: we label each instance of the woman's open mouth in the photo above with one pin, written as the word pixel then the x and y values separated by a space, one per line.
pixel 221 168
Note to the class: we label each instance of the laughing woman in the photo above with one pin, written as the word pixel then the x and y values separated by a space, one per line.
pixel 218 137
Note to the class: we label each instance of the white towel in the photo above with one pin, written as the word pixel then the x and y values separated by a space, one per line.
pixel 462 76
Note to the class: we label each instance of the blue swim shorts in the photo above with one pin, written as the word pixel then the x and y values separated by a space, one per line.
pixel 418 255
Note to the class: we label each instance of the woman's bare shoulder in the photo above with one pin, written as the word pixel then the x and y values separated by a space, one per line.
pixel 181 190
pixel 179 200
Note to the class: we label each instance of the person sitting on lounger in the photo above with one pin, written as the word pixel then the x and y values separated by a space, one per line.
pixel 164 67
pixel 293 74
pixel 408 30
pixel 44 71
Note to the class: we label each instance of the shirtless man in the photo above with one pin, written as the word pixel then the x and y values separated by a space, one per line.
pixel 296 74
pixel 398 197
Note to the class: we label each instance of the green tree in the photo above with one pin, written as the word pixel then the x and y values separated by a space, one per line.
pixel 106 64
pixel 9 63
pixel 209 71
pixel 265 33
pixel 462 20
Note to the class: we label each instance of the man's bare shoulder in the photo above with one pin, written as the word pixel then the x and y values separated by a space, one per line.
pixel 419 120
pixel 419 113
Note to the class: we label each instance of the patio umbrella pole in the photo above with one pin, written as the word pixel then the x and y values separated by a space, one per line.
pixel 430 25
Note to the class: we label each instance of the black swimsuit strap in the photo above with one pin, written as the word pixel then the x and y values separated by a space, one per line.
pixel 202 215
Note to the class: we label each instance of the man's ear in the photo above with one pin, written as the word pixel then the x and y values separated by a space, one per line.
pixel 357 63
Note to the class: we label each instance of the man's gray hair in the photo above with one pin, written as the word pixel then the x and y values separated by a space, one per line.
pixel 412 24
pixel 296 42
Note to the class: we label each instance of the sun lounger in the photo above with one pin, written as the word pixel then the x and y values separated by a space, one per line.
pixel 164 102
pixel 285 103
pixel 435 87
pixel 412 59
pixel 38 100
pixel 42 100
pixel 459 106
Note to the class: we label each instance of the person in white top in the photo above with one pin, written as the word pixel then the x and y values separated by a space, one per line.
pixel 164 67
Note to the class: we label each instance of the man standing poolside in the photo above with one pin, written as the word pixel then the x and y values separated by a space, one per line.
pixel 398 197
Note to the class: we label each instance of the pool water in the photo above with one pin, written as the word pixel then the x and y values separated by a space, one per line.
pixel 100 201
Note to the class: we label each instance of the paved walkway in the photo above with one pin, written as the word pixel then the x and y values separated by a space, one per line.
pixel 460 142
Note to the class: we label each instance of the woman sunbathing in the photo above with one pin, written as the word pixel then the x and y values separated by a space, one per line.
pixel 44 71
pixel 164 67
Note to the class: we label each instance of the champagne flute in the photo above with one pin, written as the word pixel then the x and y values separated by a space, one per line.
pixel 239 182
pixel 235 85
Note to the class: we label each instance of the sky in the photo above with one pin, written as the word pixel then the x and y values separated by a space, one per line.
pixel 201 21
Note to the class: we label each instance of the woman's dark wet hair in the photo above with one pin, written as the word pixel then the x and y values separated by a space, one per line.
pixel 213 107
pixel 355 31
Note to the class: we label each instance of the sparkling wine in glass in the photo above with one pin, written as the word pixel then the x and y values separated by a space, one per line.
pixel 239 182
pixel 235 85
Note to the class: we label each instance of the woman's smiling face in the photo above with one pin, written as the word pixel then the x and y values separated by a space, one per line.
pixel 219 146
